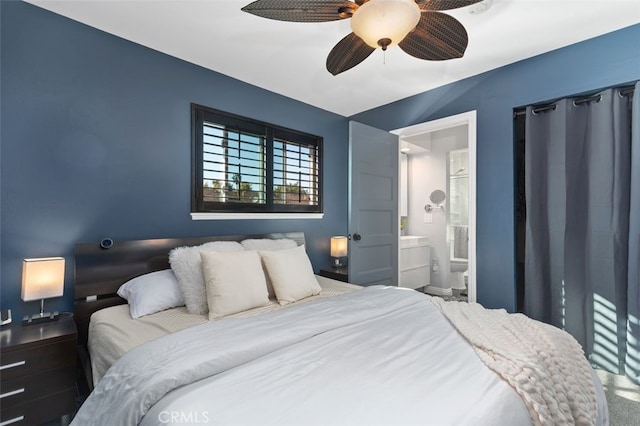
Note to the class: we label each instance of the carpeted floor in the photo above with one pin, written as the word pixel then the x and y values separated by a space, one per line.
pixel 623 398
pixel 456 296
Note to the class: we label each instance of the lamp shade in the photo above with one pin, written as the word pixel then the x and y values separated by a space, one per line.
pixel 382 23
pixel 338 246
pixel 42 278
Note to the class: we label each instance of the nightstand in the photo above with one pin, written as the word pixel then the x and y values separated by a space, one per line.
pixel 340 274
pixel 37 371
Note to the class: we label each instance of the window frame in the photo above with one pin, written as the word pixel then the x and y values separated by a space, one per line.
pixel 201 114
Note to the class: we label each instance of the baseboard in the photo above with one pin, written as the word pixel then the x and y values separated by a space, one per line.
pixel 437 291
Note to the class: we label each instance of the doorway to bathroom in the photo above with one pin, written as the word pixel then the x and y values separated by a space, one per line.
pixel 438 206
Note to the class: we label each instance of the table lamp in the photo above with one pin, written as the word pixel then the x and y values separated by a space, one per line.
pixel 42 278
pixel 338 249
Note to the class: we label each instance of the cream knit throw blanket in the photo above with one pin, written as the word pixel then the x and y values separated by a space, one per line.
pixel 545 365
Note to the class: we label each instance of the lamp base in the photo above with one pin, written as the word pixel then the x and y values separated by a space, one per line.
pixel 40 318
pixel 338 263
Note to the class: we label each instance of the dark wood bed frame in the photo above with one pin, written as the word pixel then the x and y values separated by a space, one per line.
pixel 99 272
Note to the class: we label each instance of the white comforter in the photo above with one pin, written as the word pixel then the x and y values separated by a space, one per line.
pixel 112 331
pixel 381 355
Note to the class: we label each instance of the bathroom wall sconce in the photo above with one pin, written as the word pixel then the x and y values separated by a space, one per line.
pixel 339 248
pixel 42 279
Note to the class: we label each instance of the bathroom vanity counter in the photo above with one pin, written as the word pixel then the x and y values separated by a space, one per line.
pixel 413 240
pixel 415 261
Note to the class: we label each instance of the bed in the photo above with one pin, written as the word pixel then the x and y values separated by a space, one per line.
pixel 345 355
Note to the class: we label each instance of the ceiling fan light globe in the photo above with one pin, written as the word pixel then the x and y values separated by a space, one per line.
pixel 376 20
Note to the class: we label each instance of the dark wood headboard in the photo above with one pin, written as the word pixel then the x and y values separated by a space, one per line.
pixel 100 272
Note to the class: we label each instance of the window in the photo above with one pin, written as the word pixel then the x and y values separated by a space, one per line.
pixel 243 165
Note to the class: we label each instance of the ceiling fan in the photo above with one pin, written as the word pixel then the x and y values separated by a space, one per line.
pixel 414 25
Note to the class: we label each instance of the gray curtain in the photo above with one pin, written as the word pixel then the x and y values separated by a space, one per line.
pixel 633 301
pixel 578 189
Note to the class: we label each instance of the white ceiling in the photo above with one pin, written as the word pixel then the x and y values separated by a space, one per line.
pixel 289 58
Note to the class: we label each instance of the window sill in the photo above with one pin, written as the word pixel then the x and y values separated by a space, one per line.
pixel 244 216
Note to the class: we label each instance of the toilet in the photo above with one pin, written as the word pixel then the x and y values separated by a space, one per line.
pixel 456 279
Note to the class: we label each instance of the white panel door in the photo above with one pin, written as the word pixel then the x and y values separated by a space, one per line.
pixel 374 223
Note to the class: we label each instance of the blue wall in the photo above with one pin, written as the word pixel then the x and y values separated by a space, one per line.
pixel 96 142
pixel 604 61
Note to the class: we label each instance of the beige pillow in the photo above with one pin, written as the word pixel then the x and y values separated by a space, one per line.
pixel 185 263
pixel 291 274
pixel 235 282
pixel 266 244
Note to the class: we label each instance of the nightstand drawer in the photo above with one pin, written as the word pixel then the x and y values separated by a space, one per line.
pixel 23 389
pixel 40 410
pixel 23 362
pixel 37 376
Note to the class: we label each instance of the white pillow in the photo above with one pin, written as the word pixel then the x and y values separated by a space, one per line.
pixel 235 282
pixel 186 264
pixel 291 274
pixel 151 293
pixel 266 244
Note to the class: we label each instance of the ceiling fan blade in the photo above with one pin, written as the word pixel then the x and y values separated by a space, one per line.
pixel 437 37
pixel 445 4
pixel 302 10
pixel 348 53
